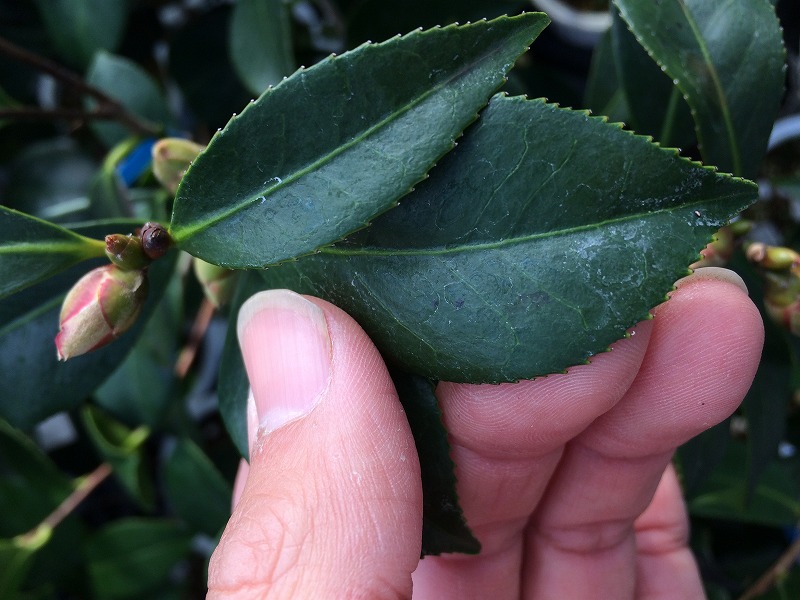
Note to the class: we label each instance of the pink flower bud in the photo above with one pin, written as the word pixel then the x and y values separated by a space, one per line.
pixel 100 307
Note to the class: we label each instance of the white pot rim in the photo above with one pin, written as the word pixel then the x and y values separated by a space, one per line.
pixel 589 21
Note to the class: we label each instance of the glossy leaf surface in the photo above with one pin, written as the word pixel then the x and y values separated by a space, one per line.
pixel 534 245
pixel 727 58
pixel 291 174
pixel 32 249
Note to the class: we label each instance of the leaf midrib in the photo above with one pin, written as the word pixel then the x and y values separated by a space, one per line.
pixel 718 90
pixel 73 248
pixel 187 231
pixel 477 247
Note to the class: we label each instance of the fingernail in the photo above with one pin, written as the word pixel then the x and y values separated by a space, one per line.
pixel 287 354
pixel 718 273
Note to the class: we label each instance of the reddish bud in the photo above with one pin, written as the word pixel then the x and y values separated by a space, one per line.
pixel 156 240
pixel 100 307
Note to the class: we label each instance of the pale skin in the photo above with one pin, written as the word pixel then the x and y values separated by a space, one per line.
pixel 566 480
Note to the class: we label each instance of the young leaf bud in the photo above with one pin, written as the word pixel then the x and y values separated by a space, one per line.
pixel 100 307
pixel 171 158
pixel 773 258
pixel 126 251
pixel 155 240
pixel 218 282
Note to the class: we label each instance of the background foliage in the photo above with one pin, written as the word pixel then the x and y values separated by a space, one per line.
pixel 140 416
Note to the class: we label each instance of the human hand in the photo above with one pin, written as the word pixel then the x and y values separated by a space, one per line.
pixel 565 480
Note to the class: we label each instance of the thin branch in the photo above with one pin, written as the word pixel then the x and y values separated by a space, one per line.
pixel 78 495
pixel 198 330
pixel 34 113
pixel 775 572
pixel 45 65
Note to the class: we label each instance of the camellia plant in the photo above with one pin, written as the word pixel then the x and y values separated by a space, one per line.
pixel 477 234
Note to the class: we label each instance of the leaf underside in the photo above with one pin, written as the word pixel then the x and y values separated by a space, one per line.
pixel 535 244
pixel 443 526
pixel 292 174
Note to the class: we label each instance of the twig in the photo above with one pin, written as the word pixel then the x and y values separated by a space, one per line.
pixel 45 65
pixel 32 112
pixel 775 572
pixel 198 330
pixel 78 495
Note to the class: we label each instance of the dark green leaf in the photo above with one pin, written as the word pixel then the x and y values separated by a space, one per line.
pixel 766 410
pixel 49 180
pixel 727 58
pixel 36 384
pixel 16 558
pixel 31 487
pixel 132 558
pixel 292 174
pixel 196 489
pixel 604 96
pixel 30 484
pixel 79 28
pixel 122 448
pixel 199 63
pixel 233 383
pixel 656 104
pixel 32 250
pixel 143 388
pixel 698 457
pixel 129 84
pixel 534 245
pixel 6 101
pixel 725 493
pixel 443 525
pixel 261 42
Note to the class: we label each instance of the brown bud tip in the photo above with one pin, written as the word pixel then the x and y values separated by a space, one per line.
pixel 126 251
pixel 155 240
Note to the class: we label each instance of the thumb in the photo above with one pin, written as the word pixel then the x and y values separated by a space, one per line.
pixel 332 505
